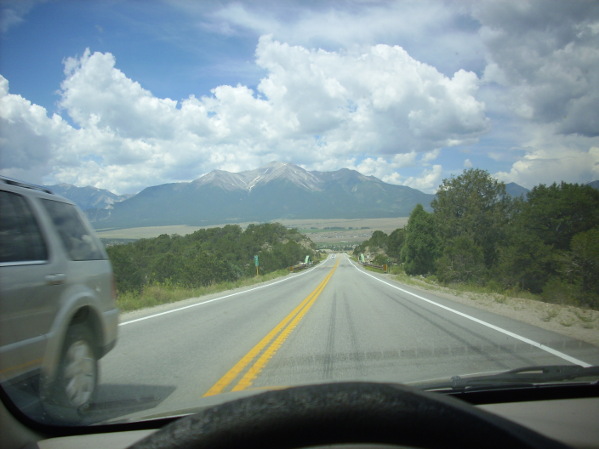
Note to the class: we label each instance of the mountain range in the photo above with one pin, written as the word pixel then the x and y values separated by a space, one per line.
pixel 273 192
pixel 88 197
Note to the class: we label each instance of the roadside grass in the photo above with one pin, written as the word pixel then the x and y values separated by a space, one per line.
pixel 157 294
pixel 550 314
pixel 376 270
pixel 469 290
pixel 565 314
pixel 587 317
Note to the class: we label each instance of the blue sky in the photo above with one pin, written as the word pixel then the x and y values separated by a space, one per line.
pixel 126 94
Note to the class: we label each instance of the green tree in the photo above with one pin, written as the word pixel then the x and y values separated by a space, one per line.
pixel 585 257
pixel 378 240
pixel 525 262
pixel 380 259
pixel 462 261
pixel 539 250
pixel 206 256
pixel 556 213
pixel 165 267
pixel 128 272
pixel 395 242
pixel 474 207
pixel 420 245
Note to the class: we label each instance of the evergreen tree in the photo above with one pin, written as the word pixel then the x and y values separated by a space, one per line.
pixel 585 259
pixel 556 213
pixel 420 245
pixel 207 256
pixel 462 261
pixel 395 242
pixel 475 208
pixel 525 261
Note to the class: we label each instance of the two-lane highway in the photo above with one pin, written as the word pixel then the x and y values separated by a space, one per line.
pixel 330 323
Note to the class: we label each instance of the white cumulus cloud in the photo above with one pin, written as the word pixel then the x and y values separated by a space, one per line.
pixel 313 107
pixel 96 94
pixel 387 88
pixel 548 159
pixel 28 137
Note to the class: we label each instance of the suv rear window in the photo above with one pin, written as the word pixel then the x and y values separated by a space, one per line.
pixel 78 241
pixel 20 236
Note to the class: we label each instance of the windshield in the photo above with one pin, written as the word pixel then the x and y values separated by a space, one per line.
pixel 293 193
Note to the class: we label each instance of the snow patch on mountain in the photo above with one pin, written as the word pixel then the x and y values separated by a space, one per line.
pixel 248 180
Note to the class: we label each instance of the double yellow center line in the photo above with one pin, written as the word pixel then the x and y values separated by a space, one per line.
pixel 268 346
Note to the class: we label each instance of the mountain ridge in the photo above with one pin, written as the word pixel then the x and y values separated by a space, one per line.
pixel 277 190
pixel 247 180
pixel 87 197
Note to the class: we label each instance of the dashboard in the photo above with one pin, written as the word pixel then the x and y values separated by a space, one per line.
pixel 572 421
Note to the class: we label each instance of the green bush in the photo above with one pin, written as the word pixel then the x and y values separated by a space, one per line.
pixel 206 257
pixel 557 291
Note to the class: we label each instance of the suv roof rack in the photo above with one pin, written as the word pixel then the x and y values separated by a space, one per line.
pixel 14 182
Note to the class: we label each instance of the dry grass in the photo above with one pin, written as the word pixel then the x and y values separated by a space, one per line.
pixel 157 295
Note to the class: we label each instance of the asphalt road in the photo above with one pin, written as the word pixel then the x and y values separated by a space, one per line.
pixel 333 322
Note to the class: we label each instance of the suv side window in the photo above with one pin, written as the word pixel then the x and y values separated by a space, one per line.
pixel 78 241
pixel 20 236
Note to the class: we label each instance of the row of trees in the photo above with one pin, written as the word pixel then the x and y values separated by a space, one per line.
pixel 207 256
pixel 546 243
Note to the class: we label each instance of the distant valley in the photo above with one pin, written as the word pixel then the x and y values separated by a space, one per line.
pixel 329 231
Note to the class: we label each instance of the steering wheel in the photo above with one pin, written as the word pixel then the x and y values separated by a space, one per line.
pixel 337 413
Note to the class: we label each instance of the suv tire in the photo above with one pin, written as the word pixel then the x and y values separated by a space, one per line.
pixel 75 385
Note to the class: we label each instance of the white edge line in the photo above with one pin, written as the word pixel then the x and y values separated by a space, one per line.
pixel 538 345
pixel 215 299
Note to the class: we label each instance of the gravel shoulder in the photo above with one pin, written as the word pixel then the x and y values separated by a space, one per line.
pixel 575 322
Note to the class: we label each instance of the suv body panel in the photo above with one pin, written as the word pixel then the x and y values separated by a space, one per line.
pixel 40 299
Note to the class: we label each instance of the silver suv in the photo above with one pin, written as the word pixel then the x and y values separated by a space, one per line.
pixel 58 315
